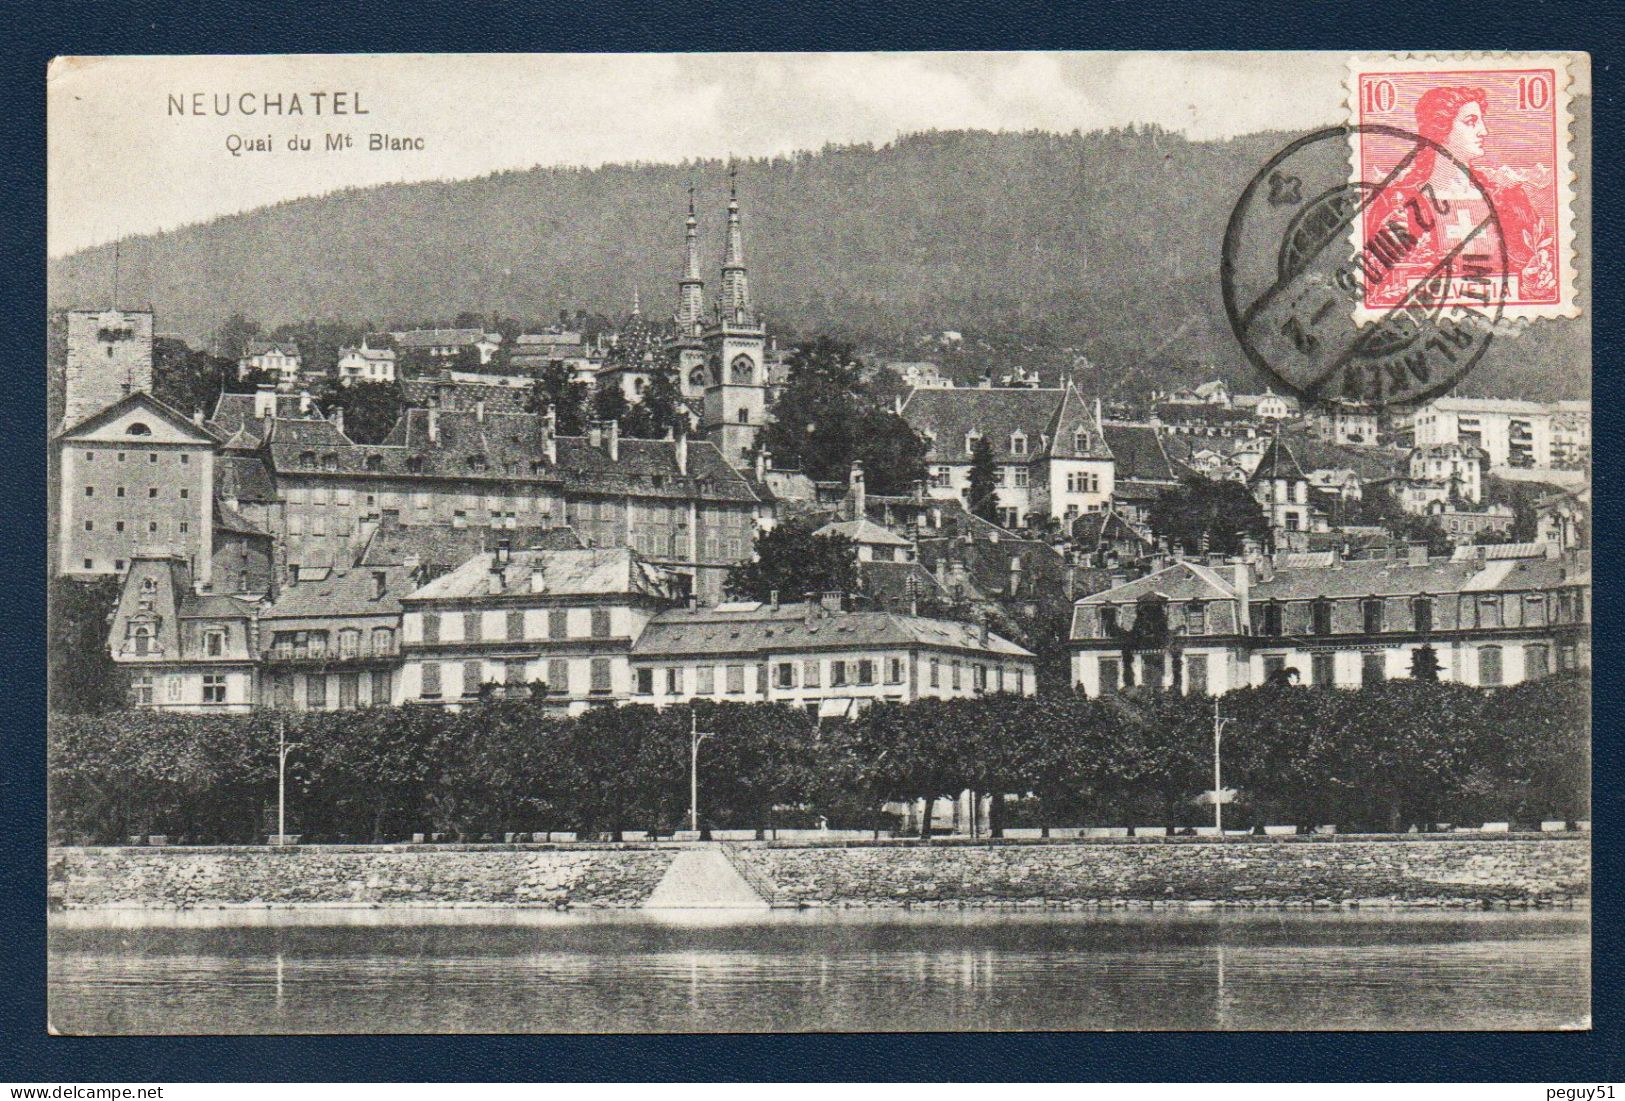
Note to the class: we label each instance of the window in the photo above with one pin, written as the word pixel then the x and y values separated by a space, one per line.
pixel 1018 443
pixel 1489 665
pixel 558 676
pixel 141 637
pixel 600 623
pixel 214 688
pixel 1196 618
pixel 1273 664
pixel 558 623
pixel 431 680
pixel 1320 617
pixel 1019 477
pixel 1021 682
pixel 185 527
pixel 1371 610
pixel 315 691
pixel 705 680
pixel 118 525
pixel 971 440
pixel 119 492
pixel 1271 615
pixel 936 673
pixel 349 691
pixel 516 626
pixel 1537 660
pixel 90 525
pixel 214 643
pixel 141 689
pixel 1489 611
pixel 894 670
pixel 152 456
pixel 1080 440
pixel 90 491
pixel 431 627
pixel 1108 621
pixel 601 676
pixel 471 626
pixel 349 642
pixel 736 679
pixel 1534 610
pixel 645 682
pixel 866 671
pixel 1155 668
pixel 953 674
pixel 674 681
pixel 152 527
pixel 1568 657
pixel 1111 675
pixel 1323 670
pixel 1196 674
pixel 1422 614
pixel 1373 668
pixel 811 671
pixel 473 676
pixel 787 674
pixel 837 674
pixel 380 687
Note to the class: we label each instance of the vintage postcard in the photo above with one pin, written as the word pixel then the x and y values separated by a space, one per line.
pixel 819 542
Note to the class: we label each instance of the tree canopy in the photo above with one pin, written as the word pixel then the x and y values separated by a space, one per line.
pixel 984 482
pixel 1203 515
pixel 792 561
pixel 370 408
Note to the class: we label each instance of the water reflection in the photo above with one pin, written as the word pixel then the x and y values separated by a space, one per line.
pixel 543 971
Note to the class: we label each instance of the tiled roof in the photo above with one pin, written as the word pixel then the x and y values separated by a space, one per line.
pixel 382 355
pixel 589 469
pixel 497 397
pixel 229 519
pixel 894 584
pixel 1185 580
pixel 760 628
pixel 1366 577
pixel 202 433
pixel 583 572
pixel 435 338
pixel 1139 454
pixel 263 347
pixel 1278 461
pixel 347 592
pixel 945 417
pixel 234 414
pixel 243 477
pixel 213 606
pixel 440 547
pixel 864 531
pixel 1094 528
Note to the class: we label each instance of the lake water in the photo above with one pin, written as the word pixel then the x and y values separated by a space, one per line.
pixel 540 971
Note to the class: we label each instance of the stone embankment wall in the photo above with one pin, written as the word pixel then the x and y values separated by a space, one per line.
pixel 1445 871
pixel 343 875
pixel 1287 872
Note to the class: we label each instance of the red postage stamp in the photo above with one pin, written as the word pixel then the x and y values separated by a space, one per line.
pixel 1466 162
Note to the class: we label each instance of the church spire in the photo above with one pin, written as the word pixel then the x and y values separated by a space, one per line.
pixel 735 304
pixel 691 288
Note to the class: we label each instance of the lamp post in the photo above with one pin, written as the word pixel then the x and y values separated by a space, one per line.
pixel 695 737
pixel 283 748
pixel 1218 782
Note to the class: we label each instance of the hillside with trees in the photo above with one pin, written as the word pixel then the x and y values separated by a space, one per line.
pixel 1044 250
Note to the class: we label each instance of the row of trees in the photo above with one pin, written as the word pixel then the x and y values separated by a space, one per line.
pixel 1382 757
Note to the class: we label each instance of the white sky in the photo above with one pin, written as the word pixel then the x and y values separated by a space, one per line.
pixel 119 164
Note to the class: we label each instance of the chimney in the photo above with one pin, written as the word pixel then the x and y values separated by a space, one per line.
pixel 981 629
pixel 197 417
pixel 338 418
pixel 434 423
pixel 550 434
pixel 595 435
pixel 1416 553
pixel 681 451
pixel 958 577
pixel 917 489
pixel 538 574
pixel 265 400
pixel 1243 585
pixel 833 601
pixel 380 584
pixel 504 551
pixel 857 491
pixel 304 403
pixel 811 609
pixel 764 463
pixel 496 577
pixel 479 410
pixel 614 441
pixel 773 600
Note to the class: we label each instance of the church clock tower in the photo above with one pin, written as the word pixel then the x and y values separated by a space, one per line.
pixel 734 345
pixel 687 345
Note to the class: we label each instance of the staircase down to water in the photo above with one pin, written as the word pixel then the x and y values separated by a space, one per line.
pixel 704 878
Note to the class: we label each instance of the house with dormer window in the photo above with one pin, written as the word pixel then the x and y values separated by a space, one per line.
pixel 183 650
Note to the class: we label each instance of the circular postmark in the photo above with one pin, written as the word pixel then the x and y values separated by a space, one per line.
pixel 1308 250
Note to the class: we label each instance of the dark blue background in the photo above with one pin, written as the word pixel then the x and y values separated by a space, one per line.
pixel 33 33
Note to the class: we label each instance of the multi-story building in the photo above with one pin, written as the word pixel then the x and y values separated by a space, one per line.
pixel 109 356
pixel 183 650
pixel 330 640
pixel 819 656
pixel 1208 628
pixel 274 357
pixel 1337 422
pixel 366 364
pixel 559 622
pixel 1511 433
pixel 1052 458
pixel 1452 464
pixel 1280 484
pixel 449 344
pixel 1268 406
pixel 134 474
pixel 1463 525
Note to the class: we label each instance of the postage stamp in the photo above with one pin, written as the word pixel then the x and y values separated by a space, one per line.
pixel 1495 133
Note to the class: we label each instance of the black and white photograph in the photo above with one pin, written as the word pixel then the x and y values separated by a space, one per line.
pixel 818 543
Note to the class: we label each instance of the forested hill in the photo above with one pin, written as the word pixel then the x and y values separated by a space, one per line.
pixel 1107 243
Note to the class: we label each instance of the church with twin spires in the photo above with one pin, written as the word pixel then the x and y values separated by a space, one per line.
pixel 721 354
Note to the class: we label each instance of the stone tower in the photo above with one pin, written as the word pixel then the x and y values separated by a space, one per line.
pixel 109 357
pixel 735 344
pixel 688 323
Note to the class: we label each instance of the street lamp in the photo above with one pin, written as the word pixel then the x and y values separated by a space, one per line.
pixel 283 748
pixel 1218 784
pixel 695 737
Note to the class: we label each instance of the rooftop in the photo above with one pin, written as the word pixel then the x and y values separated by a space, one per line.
pixel 755 628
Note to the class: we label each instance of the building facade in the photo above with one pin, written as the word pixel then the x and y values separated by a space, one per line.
pixel 1208 628
pixel 275 357
pixel 1510 433
pixel 183 650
